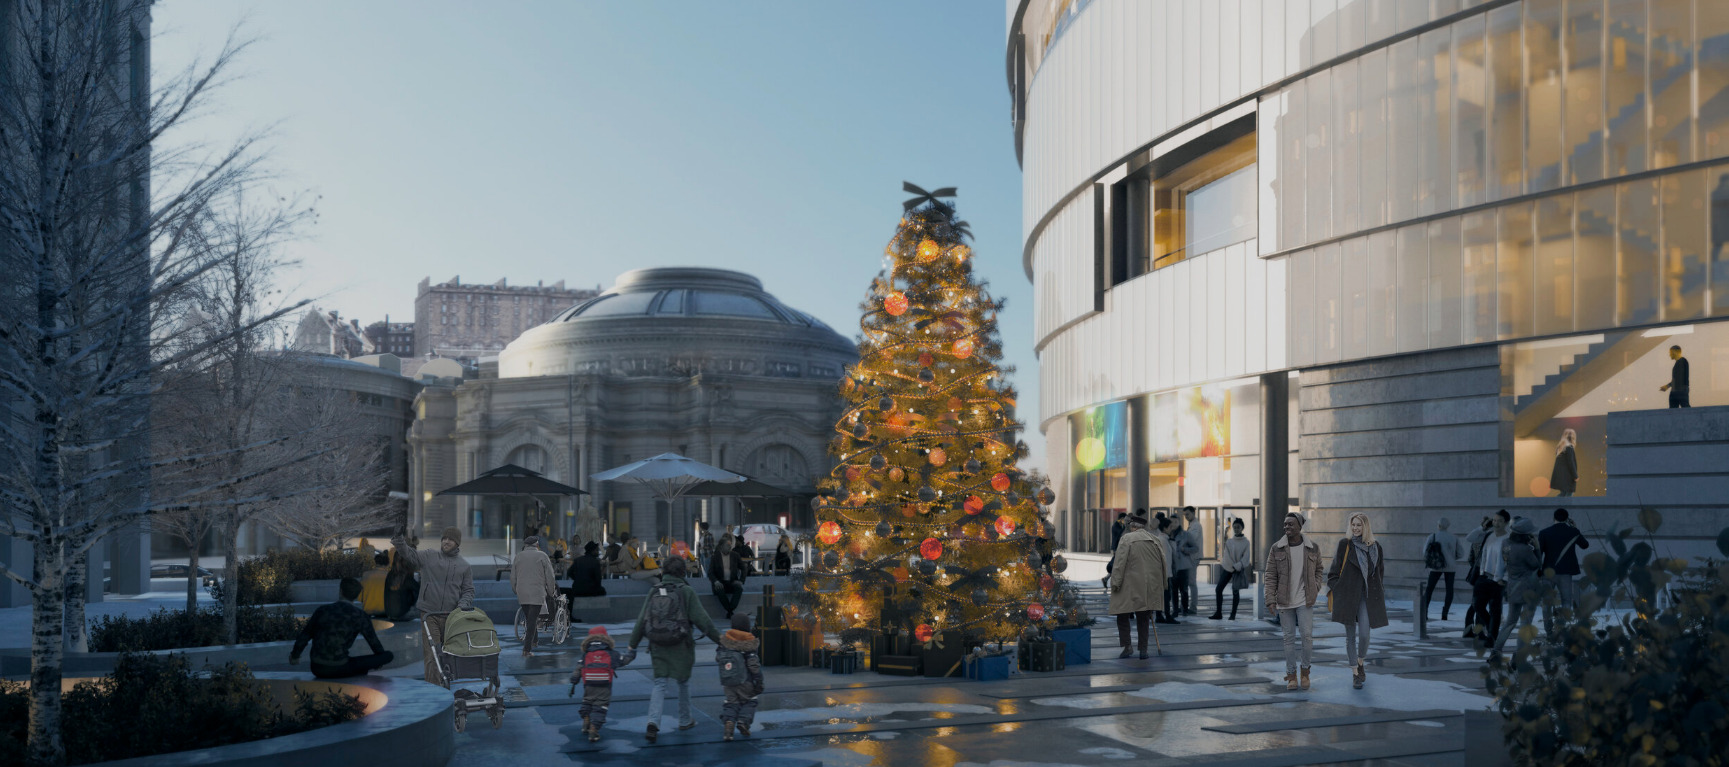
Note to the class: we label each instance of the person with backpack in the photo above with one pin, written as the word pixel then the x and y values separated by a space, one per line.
pixel 1441 554
pixel 668 615
pixel 740 675
pixel 600 665
pixel 446 583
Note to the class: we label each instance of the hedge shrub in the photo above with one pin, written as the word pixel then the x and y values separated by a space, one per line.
pixel 172 629
pixel 157 704
pixel 1644 689
pixel 265 580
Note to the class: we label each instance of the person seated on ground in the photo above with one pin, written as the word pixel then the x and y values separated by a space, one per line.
pixel 332 629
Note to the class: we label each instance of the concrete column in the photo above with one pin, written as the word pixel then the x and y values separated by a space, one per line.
pixel 1137 425
pixel 129 561
pixel 1275 457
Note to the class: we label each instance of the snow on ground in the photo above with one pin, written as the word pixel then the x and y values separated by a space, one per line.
pixel 1106 752
pixel 1333 685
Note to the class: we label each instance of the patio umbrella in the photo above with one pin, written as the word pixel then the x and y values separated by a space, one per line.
pixel 668 475
pixel 511 479
pixel 748 488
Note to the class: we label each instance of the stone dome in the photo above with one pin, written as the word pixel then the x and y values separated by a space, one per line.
pixel 678 321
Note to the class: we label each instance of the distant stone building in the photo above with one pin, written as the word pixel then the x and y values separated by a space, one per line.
pixel 700 362
pixel 467 322
pixel 388 337
pixel 321 332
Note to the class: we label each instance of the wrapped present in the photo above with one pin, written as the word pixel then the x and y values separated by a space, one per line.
pixel 987 668
pixel 1080 645
pixel 942 655
pixel 843 662
pixel 768 614
pixel 774 646
pixel 897 665
pixel 797 648
pixel 892 644
pixel 819 656
pixel 1046 655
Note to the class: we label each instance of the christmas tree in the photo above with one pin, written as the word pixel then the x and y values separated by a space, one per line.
pixel 926 524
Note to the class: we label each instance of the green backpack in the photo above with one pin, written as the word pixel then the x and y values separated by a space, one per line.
pixel 469 633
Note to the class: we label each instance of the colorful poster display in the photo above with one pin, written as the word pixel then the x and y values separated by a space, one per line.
pixel 1101 437
pixel 1191 423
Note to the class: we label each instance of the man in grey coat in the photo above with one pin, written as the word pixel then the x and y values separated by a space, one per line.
pixel 536 586
pixel 1191 543
pixel 446 583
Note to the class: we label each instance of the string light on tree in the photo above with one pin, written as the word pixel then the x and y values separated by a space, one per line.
pixel 930 524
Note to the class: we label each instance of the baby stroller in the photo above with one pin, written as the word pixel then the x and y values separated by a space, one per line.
pixel 469 653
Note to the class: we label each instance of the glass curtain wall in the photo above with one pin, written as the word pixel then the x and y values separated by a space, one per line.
pixel 1523 98
pixel 1630 254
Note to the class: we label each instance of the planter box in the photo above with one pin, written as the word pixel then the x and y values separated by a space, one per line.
pixel 1080 645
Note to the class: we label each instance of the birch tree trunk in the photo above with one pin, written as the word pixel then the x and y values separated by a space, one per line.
pixel 77 594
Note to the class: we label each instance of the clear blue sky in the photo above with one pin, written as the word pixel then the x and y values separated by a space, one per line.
pixel 577 140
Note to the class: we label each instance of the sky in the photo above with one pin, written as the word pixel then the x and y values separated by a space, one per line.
pixel 577 140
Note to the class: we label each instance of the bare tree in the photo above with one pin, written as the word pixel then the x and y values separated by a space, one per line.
pixel 101 231
pixel 341 493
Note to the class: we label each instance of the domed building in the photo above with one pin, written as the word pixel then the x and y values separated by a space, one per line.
pixel 700 362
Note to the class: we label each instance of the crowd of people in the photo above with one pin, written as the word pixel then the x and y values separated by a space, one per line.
pixel 1512 567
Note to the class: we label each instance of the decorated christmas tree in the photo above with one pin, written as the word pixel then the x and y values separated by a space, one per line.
pixel 926 524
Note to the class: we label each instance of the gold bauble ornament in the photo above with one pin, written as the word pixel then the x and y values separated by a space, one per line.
pixel 928 250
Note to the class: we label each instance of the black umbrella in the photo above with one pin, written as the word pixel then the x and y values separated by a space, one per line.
pixel 510 479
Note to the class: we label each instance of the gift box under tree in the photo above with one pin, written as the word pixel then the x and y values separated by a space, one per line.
pixel 987 668
pixel 1080 644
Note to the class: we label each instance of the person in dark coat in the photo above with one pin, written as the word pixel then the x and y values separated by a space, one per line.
pixel 726 574
pixel 1117 529
pixel 783 556
pixel 1521 581
pixel 586 573
pixel 1357 580
pixel 1565 476
pixel 744 552
pixel 1680 381
pixel 1559 544
pixel 332 629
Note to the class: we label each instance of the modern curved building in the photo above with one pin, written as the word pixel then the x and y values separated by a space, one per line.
pixel 701 362
pixel 1378 256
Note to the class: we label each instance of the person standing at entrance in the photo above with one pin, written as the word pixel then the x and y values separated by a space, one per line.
pixel 1560 543
pixel 1192 543
pixel 446 584
pixel 1357 581
pixel 1441 554
pixel 1293 580
pixel 1680 383
pixel 1137 583
pixel 1234 565
pixel 1185 550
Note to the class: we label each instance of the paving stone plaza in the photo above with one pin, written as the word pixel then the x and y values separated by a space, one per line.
pixel 1214 696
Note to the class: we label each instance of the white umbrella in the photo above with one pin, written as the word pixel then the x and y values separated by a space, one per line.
pixel 668 475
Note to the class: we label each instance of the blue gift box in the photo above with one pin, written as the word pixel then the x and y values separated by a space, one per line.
pixel 987 668
pixel 1080 645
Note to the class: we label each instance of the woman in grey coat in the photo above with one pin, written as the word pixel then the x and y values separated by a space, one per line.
pixel 1357 580
pixel 1523 586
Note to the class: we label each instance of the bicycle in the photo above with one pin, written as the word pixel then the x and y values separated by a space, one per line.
pixel 557 623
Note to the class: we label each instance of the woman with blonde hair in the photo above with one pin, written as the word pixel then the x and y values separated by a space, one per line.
pixel 1565 476
pixel 1357 580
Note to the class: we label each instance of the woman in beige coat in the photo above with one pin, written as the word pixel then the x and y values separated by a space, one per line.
pixel 1357 580
pixel 1137 582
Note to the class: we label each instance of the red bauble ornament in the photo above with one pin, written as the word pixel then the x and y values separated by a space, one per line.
pixel 931 549
pixel 900 574
pixel 853 473
pixel 964 348
pixel 829 533
pixel 1047 583
pixel 926 359
pixel 1036 611
pixel 924 632
pixel 909 510
pixel 974 504
pixel 895 303
pixel 938 456
pixel 1005 526
pixel 1000 482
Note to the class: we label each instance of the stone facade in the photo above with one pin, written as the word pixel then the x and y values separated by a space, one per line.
pixel 753 391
